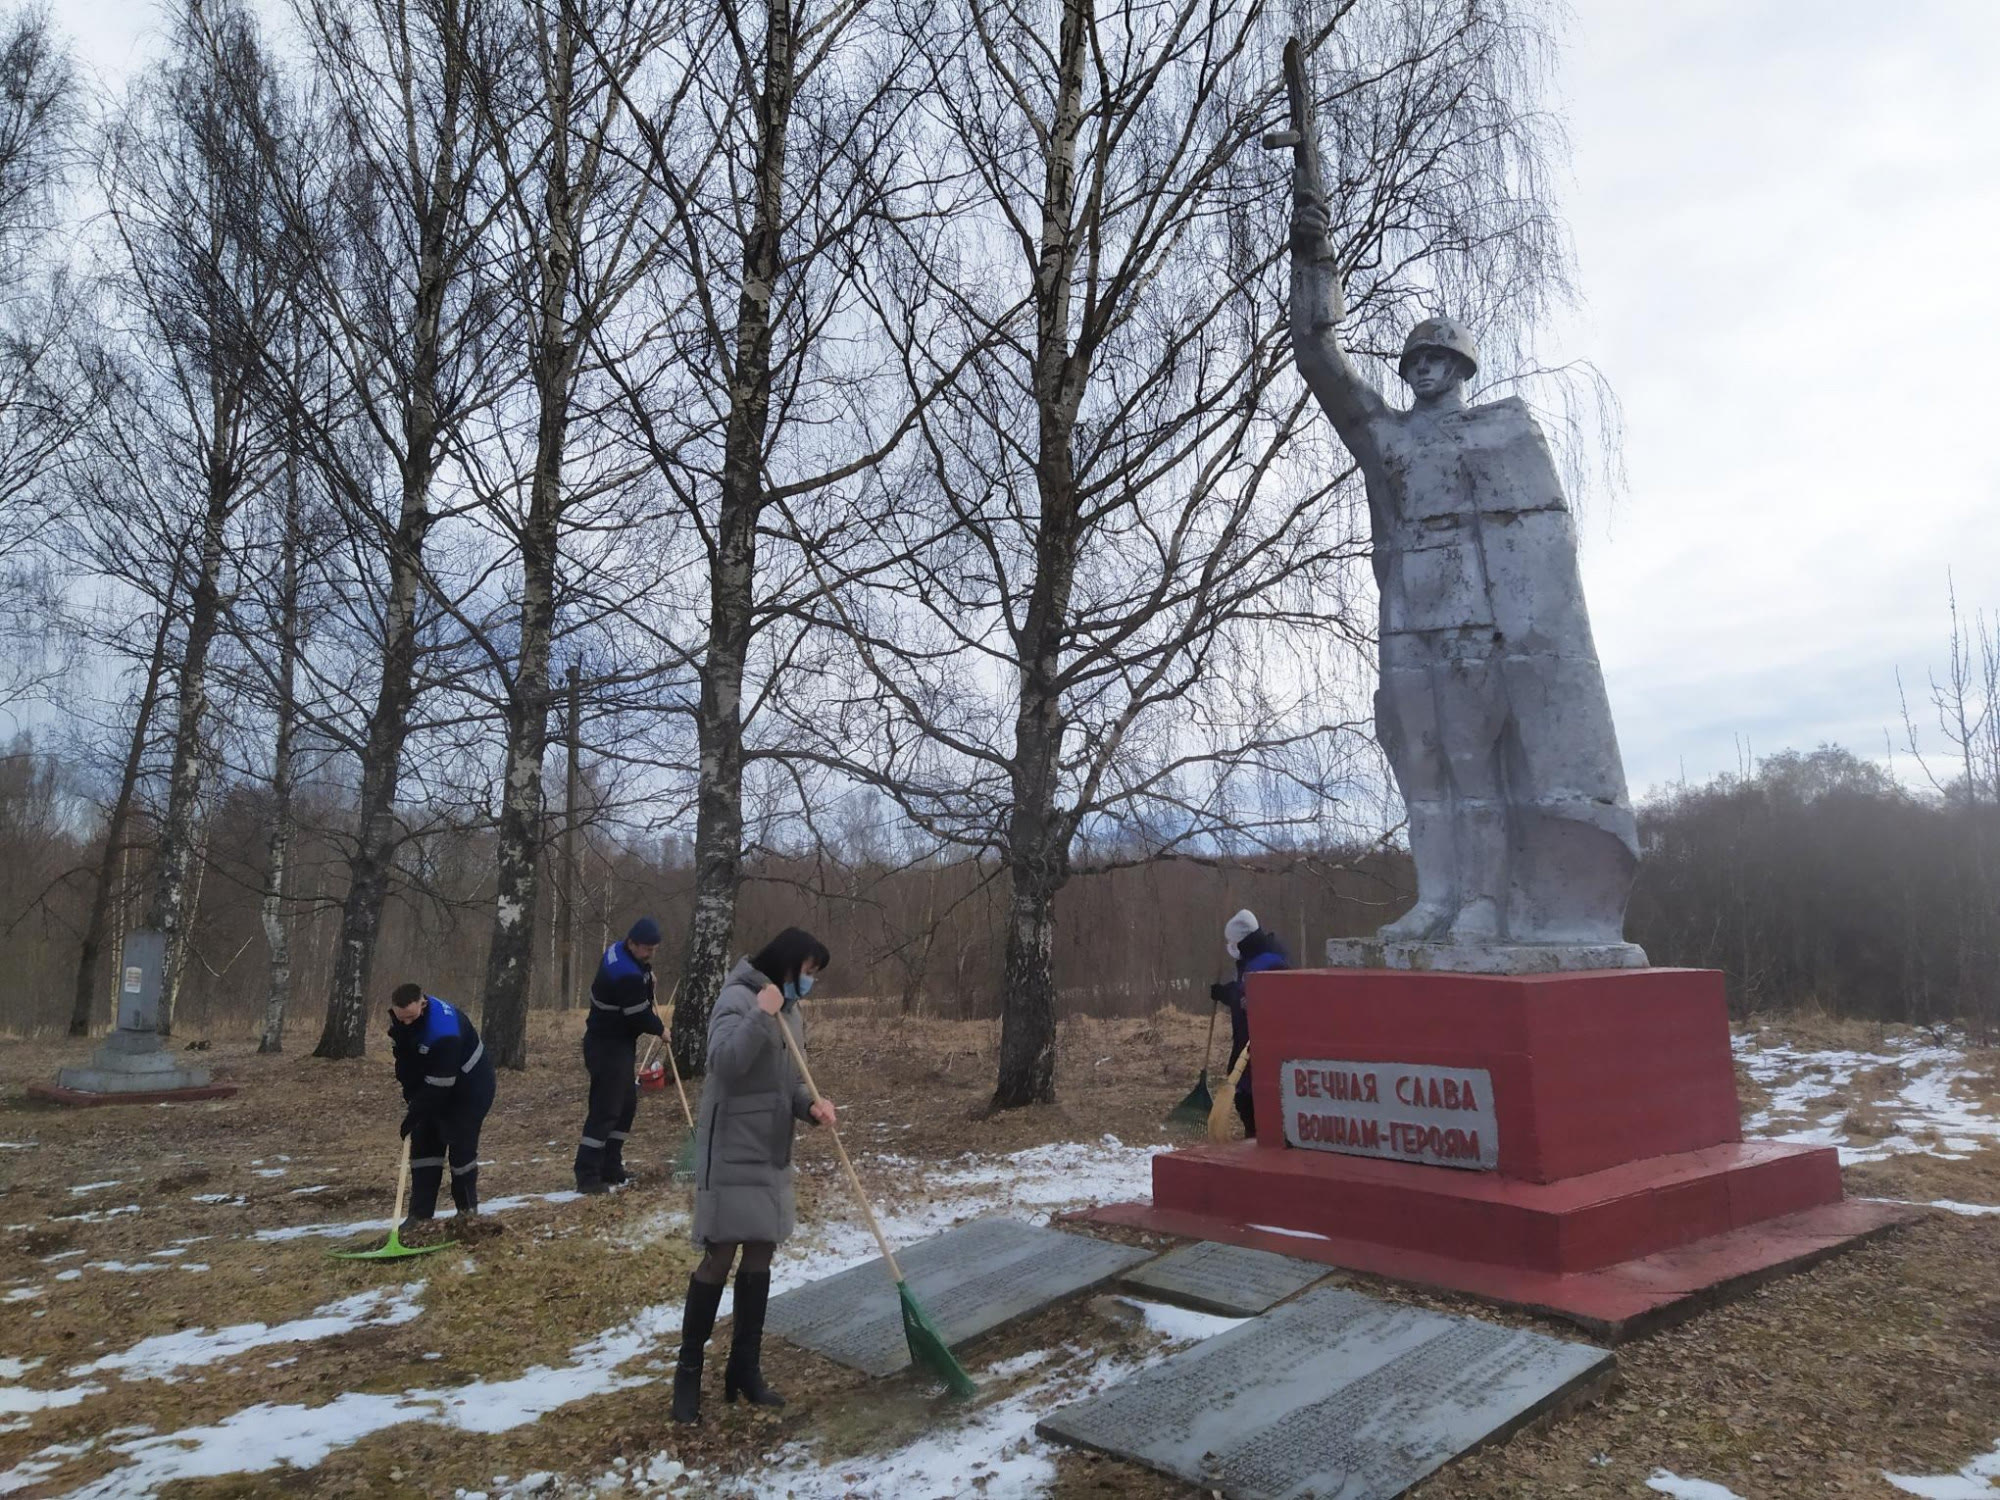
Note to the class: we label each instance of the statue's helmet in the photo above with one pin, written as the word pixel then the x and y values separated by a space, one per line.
pixel 1439 333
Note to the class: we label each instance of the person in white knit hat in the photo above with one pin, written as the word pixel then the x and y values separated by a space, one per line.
pixel 1254 950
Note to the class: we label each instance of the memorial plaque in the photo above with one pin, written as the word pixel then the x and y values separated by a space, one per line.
pixel 1402 1111
pixel 969 1279
pixel 1229 1279
pixel 1336 1396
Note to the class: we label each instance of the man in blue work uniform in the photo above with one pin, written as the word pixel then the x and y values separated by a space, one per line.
pixel 1254 951
pixel 621 1011
pixel 448 1083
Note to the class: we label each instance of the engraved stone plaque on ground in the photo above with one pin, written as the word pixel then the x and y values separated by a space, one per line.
pixel 969 1279
pixel 1335 1396
pixel 1233 1280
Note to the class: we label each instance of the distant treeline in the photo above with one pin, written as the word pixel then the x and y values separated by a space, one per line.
pixel 1816 880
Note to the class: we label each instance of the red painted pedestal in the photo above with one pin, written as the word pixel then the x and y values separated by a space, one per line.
pixel 1596 1163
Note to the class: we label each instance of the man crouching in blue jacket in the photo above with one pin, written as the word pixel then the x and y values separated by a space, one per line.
pixel 448 1083
pixel 1254 950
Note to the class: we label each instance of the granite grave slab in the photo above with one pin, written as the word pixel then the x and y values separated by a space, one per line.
pixel 1233 1280
pixel 1335 1396
pixel 970 1279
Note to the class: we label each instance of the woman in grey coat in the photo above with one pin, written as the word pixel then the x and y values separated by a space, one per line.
pixel 751 1101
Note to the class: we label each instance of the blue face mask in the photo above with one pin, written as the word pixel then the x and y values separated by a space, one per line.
pixel 800 989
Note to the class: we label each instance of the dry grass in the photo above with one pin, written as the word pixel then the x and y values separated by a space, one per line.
pixel 1789 1393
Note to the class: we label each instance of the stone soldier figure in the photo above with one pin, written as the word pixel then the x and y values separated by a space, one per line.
pixel 1492 707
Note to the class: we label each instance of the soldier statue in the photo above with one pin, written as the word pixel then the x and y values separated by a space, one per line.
pixel 1491 708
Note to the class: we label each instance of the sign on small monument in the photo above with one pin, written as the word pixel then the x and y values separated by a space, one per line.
pixel 1400 1111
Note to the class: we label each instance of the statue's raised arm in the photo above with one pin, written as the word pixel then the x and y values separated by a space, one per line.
pixel 1318 300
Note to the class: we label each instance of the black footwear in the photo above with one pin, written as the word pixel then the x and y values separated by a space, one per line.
pixel 697 1323
pixel 744 1377
pixel 614 1163
pixel 465 1191
pixel 591 1186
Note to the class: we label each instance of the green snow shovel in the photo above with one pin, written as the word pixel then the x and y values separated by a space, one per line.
pixel 927 1346
pixel 395 1249
pixel 1194 1109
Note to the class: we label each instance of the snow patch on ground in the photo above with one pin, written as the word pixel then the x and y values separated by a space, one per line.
pixel 15 1399
pixel 94 1187
pixel 381 1226
pixel 990 1450
pixel 94 1216
pixel 160 1356
pixel 1973 1482
pixel 1669 1483
pixel 265 1437
pixel 1802 1081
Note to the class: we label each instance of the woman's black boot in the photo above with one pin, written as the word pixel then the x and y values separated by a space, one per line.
pixel 744 1377
pixel 697 1323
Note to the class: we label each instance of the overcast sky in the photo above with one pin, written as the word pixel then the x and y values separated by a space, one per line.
pixel 1787 217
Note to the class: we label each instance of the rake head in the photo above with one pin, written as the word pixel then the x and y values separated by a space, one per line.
pixel 1193 1110
pixel 395 1249
pixel 927 1346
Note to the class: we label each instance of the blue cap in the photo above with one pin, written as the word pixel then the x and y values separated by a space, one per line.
pixel 645 930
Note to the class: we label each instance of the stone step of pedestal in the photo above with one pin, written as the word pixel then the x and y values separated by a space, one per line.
pixel 1333 1395
pixel 1577 1224
pixel 1613 1303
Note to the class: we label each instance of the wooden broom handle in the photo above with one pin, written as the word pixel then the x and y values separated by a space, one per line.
pixel 1242 1062
pixel 402 1184
pixel 853 1178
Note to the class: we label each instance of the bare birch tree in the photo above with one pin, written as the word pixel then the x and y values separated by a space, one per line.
pixel 758 391
pixel 397 291
pixel 581 229
pixel 43 400
pixel 201 281
pixel 1127 583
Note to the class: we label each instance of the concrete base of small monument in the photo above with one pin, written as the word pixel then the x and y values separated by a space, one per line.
pixel 131 1067
pixel 1539 1139
pixel 1482 958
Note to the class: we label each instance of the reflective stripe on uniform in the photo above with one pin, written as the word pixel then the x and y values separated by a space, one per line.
pixel 633 1010
pixel 594 1144
pixel 477 1053
pixel 597 1004
pixel 471 1166
pixel 426 1161
pixel 440 1082
pixel 621 1135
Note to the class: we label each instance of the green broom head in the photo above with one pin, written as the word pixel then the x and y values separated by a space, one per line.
pixel 684 1158
pixel 1193 1110
pixel 394 1250
pixel 927 1347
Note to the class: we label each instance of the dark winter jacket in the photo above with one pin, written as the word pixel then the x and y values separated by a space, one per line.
pixel 1257 953
pixel 621 998
pixel 751 1102
pixel 434 1055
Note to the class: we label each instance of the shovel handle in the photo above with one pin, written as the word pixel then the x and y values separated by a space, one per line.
pixel 853 1178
